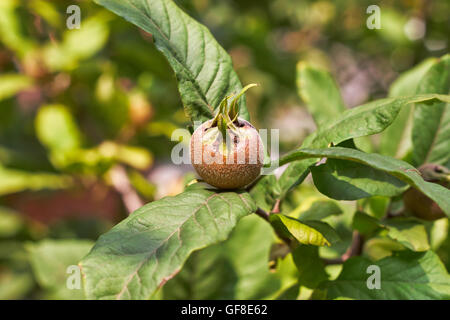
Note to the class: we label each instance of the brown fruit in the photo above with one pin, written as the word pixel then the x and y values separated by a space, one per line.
pixel 421 205
pixel 229 164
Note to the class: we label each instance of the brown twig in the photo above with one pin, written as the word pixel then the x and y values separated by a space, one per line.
pixel 122 185
pixel 355 249
pixel 276 206
pixel 260 212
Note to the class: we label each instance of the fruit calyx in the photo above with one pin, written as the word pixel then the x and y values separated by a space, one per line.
pixel 227 116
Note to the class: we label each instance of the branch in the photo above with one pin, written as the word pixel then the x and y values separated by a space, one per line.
pixel 122 185
pixel 260 212
pixel 355 249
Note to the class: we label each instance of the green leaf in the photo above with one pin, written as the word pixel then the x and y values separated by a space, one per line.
pixel 405 276
pixel 364 120
pixel 265 192
pixel 203 69
pixel 320 209
pixel 207 274
pixel 316 233
pixel 395 141
pixel 365 224
pixel 50 260
pixel 12 180
pixel 380 247
pixel 397 168
pixel 65 55
pixel 10 222
pixel 229 270
pixel 431 130
pixel 347 180
pixel 409 232
pixel 11 84
pixel 15 285
pixel 248 251
pixel 310 267
pixel 320 93
pixel 56 128
pixel 149 247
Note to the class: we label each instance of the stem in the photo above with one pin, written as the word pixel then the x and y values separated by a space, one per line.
pixel 260 212
pixel 355 249
pixel 122 185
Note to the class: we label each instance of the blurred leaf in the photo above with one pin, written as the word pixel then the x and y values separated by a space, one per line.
pixel 320 93
pixel 15 285
pixel 310 267
pixel 204 70
pixel 136 157
pixel 409 232
pixel 50 260
pixel 431 131
pixel 149 247
pixel 365 224
pixel 56 128
pixel 11 34
pixel 380 247
pixel 405 276
pixel 47 11
pixel 316 233
pixel 392 26
pixel 11 84
pixel 10 222
pixel 12 181
pixel 92 34
pixel 320 210
pixel 347 180
pixel 399 169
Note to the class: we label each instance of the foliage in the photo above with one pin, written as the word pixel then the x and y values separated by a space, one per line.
pixel 86 118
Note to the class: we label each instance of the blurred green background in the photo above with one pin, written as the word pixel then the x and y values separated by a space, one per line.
pixel 86 115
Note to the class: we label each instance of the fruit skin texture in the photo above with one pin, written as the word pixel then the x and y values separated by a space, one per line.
pixel 244 143
pixel 419 204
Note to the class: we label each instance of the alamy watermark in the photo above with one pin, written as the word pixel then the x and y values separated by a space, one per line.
pixel 374 20
pixel 374 280
pixel 74 20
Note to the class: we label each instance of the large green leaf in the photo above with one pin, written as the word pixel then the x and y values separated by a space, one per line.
pixel 397 168
pixel 149 247
pixel 229 270
pixel 396 139
pixel 348 180
pixel 50 260
pixel 407 275
pixel 203 69
pixel 365 120
pixel 320 93
pixel 207 274
pixel 310 267
pixel 431 131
